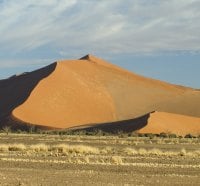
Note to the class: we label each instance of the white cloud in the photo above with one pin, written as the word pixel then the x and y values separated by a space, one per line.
pixel 77 27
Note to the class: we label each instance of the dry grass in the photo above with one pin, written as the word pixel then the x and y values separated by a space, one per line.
pixel 117 160
pixel 78 149
pixel 3 147
pixel 39 147
pixel 60 148
pixel 12 147
pixel 158 152
pixel 66 149
pixel 123 160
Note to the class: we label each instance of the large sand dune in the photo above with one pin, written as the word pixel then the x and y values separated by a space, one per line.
pixel 90 90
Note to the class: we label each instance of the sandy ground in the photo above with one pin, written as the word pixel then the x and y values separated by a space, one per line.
pixel 20 168
pixel 58 174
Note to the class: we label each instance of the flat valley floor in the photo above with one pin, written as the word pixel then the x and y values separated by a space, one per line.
pixel 41 159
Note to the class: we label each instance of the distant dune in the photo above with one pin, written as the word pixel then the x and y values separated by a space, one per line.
pixel 72 93
pixel 159 122
pixel 154 122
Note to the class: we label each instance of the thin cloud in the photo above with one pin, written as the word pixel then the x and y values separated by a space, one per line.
pixel 72 27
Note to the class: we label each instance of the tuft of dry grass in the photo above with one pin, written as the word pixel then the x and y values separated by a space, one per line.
pixel 39 147
pixel 78 149
pixel 158 152
pixel 117 160
pixel 16 147
pixel 60 148
pixel 130 151
pixel 107 150
pixel 83 150
pixel 182 152
pixel 3 147
pixel 142 151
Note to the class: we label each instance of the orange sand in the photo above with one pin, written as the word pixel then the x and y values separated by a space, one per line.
pixel 90 90
pixel 171 123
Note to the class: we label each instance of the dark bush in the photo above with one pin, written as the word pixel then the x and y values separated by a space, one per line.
pixel 163 135
pixel 172 135
pixel 133 134
pixel 141 135
pixel 189 136
pixel 6 129
pixel 150 135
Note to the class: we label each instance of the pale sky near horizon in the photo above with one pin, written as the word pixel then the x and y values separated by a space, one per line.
pixel 158 39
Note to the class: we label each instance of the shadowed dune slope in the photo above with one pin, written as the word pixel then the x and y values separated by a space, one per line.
pixel 17 89
pixel 117 126
pixel 88 91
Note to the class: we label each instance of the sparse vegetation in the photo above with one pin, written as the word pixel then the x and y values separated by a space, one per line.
pixel 31 129
pixel 163 135
pixel 107 154
pixel 189 136
pixel 6 129
pixel 65 149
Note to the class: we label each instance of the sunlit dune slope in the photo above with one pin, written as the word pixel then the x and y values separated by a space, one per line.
pixel 90 90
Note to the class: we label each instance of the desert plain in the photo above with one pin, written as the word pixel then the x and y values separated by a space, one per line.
pixel 41 159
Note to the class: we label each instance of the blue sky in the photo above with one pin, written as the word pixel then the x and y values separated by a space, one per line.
pixel 159 39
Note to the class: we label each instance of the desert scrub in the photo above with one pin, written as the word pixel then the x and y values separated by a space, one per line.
pixel 78 149
pixel 3 147
pixel 6 130
pixel 107 150
pixel 117 160
pixel 130 151
pixel 183 152
pixel 60 148
pixel 16 147
pixel 158 152
pixel 39 147
pixel 85 150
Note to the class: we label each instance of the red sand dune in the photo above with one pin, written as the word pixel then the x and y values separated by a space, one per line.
pixel 89 90
pixel 171 123
pixel 154 122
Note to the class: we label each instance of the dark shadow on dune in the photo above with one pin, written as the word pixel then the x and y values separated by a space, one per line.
pixel 15 90
pixel 16 124
pixel 118 126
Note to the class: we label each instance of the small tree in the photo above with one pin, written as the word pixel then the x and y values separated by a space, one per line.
pixel 6 129
pixel 32 129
